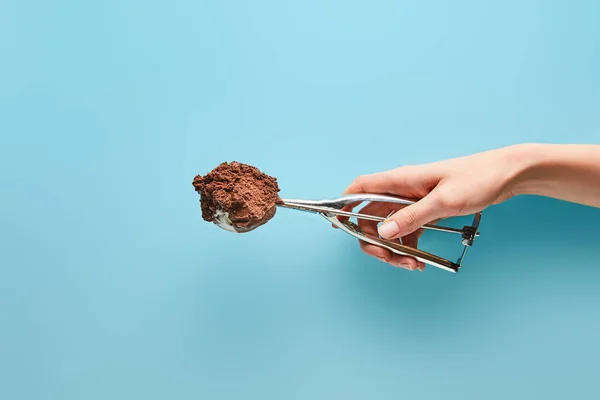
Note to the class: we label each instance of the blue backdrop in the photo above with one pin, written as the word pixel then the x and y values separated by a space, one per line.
pixel 112 286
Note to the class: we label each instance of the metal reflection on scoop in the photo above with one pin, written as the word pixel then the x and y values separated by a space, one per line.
pixel 221 219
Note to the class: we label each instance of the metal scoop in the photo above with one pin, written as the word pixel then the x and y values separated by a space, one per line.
pixel 332 209
pixel 222 221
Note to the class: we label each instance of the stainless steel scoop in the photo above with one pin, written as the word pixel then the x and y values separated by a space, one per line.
pixel 332 209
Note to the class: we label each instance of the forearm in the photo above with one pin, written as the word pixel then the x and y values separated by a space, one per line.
pixel 566 172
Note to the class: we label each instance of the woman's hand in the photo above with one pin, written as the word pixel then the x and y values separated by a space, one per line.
pixel 467 185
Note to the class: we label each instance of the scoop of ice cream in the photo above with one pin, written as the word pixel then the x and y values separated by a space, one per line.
pixel 239 194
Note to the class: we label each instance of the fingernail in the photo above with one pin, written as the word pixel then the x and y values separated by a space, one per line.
pixel 405 266
pixel 382 259
pixel 388 229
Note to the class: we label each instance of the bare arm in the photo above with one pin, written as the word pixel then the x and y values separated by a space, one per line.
pixel 566 172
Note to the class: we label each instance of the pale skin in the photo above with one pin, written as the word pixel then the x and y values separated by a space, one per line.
pixel 466 185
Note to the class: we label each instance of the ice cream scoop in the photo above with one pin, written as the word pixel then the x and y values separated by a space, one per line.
pixel 239 198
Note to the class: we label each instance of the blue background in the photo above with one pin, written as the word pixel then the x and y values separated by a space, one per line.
pixel 111 285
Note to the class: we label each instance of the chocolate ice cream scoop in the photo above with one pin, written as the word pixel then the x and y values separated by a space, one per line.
pixel 237 197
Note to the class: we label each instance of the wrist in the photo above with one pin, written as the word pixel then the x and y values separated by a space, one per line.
pixel 526 162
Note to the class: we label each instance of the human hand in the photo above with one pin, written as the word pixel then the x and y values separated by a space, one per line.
pixel 444 189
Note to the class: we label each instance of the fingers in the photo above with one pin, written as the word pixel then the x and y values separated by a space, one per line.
pixel 410 181
pixel 412 240
pixel 349 207
pixel 410 218
pixel 376 209
pixel 370 228
pixel 378 252
pixel 393 259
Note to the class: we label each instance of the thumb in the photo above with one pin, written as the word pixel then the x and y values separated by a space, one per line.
pixel 410 218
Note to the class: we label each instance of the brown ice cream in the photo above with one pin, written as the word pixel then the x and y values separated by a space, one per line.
pixel 247 195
